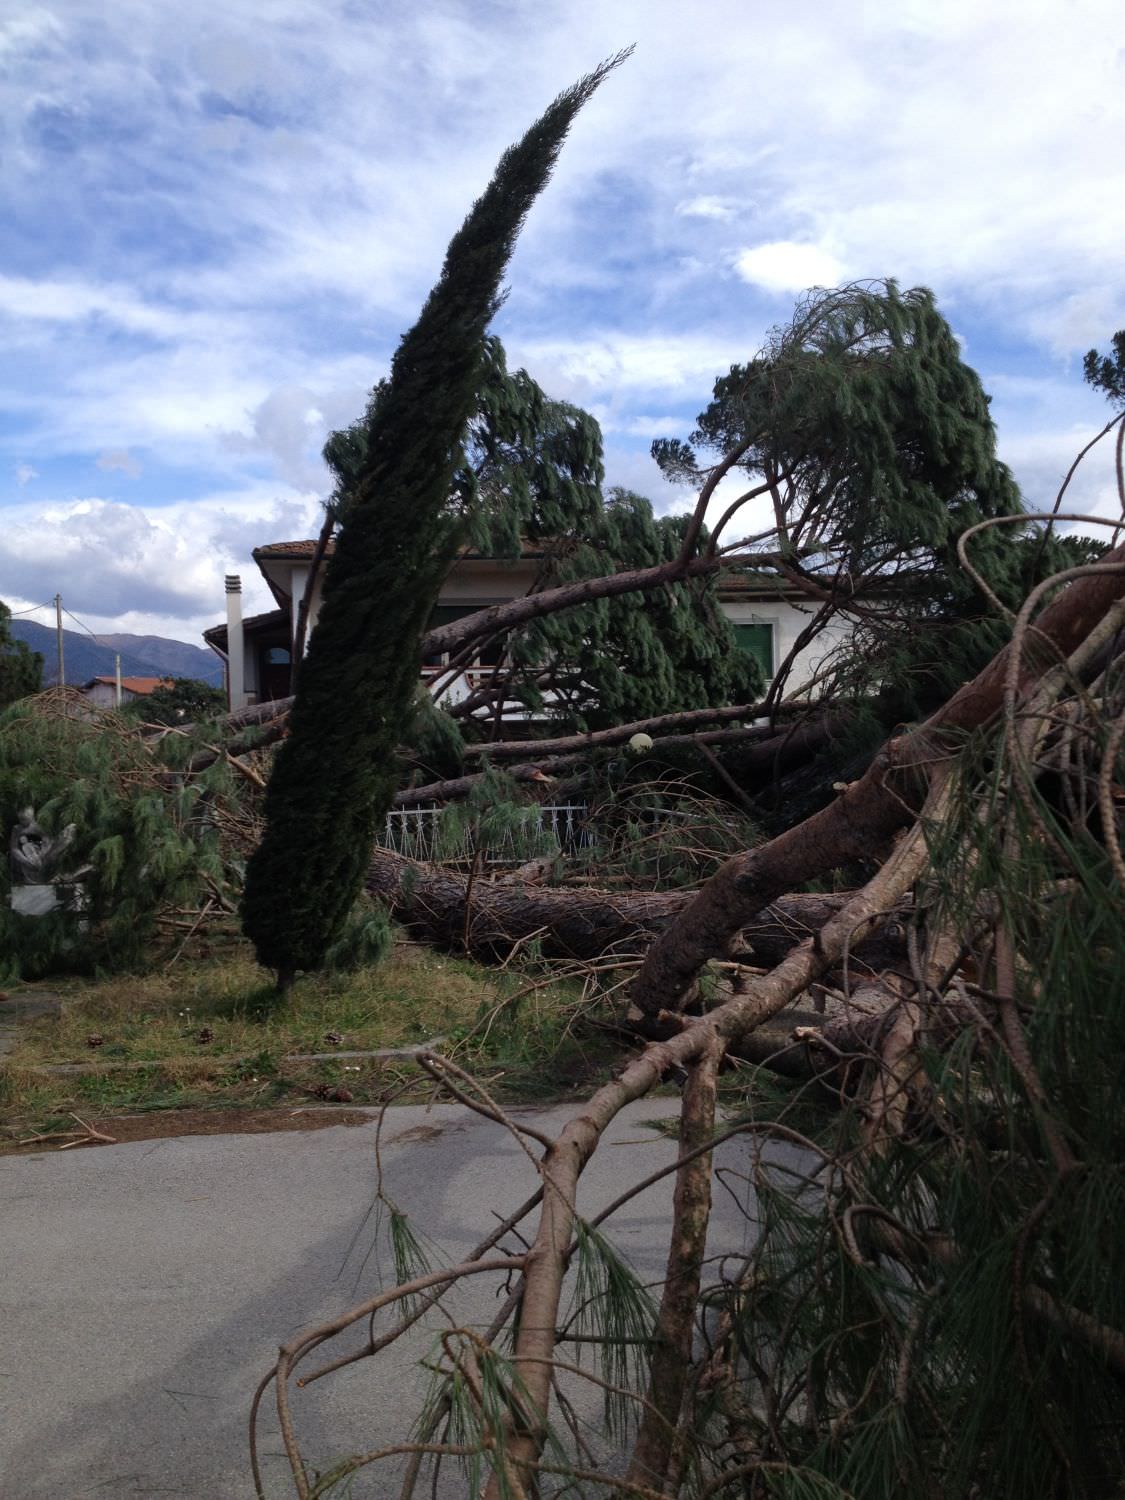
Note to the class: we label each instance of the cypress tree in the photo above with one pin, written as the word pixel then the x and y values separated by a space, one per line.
pixel 334 776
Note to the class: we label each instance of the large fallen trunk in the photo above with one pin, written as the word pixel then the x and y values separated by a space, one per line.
pixel 490 918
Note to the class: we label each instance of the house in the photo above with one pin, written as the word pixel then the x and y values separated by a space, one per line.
pixel 257 650
pixel 103 690
pixel 767 614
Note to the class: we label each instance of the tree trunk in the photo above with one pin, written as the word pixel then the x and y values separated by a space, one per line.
pixel 584 924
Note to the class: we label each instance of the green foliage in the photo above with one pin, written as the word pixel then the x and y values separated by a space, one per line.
pixel 186 700
pixel 364 940
pixel 610 1303
pixel 967 1372
pixel 877 432
pixel 877 440
pixel 492 820
pixel 21 669
pixel 635 655
pixel 139 844
pixel 1106 372
pixel 334 776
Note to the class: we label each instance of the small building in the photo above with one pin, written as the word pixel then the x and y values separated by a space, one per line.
pixel 103 690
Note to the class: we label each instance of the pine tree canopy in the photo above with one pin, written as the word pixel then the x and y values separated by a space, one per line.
pixel 876 433
pixel 21 669
pixel 402 523
pixel 635 655
pixel 1106 372
pixel 877 444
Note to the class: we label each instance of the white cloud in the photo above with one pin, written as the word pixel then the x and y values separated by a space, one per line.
pixel 708 206
pixel 579 369
pixel 117 565
pixel 1041 458
pixel 121 458
pixel 25 474
pixel 786 266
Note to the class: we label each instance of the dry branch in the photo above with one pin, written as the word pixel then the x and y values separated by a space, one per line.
pixel 658 1436
pixel 564 1162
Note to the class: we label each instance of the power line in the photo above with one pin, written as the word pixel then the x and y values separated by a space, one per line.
pixel 15 613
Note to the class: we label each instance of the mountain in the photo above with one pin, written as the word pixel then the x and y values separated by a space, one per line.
pixel 86 656
pixel 172 658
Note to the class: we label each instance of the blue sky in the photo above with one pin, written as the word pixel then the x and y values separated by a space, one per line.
pixel 218 219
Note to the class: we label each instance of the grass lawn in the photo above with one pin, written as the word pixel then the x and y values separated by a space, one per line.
pixel 208 1032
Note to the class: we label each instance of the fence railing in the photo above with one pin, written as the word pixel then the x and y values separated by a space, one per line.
pixel 418 833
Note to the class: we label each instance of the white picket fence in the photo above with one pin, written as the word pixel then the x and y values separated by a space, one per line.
pixel 416 833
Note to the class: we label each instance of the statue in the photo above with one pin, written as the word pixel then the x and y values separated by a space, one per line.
pixel 35 854
pixel 38 885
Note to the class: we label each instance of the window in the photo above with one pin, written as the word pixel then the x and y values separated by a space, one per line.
pixel 445 614
pixel 757 641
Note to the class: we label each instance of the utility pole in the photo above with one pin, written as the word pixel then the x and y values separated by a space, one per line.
pixel 59 637
pixel 117 680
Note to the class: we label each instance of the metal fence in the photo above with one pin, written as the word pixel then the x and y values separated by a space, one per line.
pixel 419 833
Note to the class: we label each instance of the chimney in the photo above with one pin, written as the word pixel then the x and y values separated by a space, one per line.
pixel 236 675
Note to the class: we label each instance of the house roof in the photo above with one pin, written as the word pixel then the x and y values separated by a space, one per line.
pixel 303 552
pixel 298 551
pixel 141 686
pixel 273 619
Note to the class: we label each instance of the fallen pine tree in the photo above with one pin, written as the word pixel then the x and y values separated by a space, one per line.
pixel 942 1309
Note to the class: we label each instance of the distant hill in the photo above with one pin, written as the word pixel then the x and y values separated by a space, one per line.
pixel 172 658
pixel 141 655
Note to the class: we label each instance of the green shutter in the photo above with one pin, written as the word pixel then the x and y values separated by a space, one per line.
pixel 757 640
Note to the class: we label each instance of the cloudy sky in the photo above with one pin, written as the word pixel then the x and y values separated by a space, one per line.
pixel 218 219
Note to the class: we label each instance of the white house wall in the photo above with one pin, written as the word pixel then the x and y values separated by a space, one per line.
pixel 490 581
pixel 788 620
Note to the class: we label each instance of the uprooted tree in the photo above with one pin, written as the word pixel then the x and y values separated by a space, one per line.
pixel 930 1299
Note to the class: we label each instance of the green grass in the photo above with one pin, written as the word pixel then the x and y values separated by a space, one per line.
pixel 523 1034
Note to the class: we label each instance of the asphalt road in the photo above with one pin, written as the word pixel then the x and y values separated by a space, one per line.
pixel 145 1288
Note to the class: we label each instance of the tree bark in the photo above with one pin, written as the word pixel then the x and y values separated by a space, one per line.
pixel 689 718
pixel 584 924
pixel 501 617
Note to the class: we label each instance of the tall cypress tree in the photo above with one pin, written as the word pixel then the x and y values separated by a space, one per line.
pixel 335 775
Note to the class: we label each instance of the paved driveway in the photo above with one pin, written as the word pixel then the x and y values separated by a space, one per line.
pixel 146 1286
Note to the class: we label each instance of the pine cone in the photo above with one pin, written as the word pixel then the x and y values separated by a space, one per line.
pixel 204 1035
pixel 333 1038
pixel 95 1039
pixel 342 1096
pixel 322 1091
